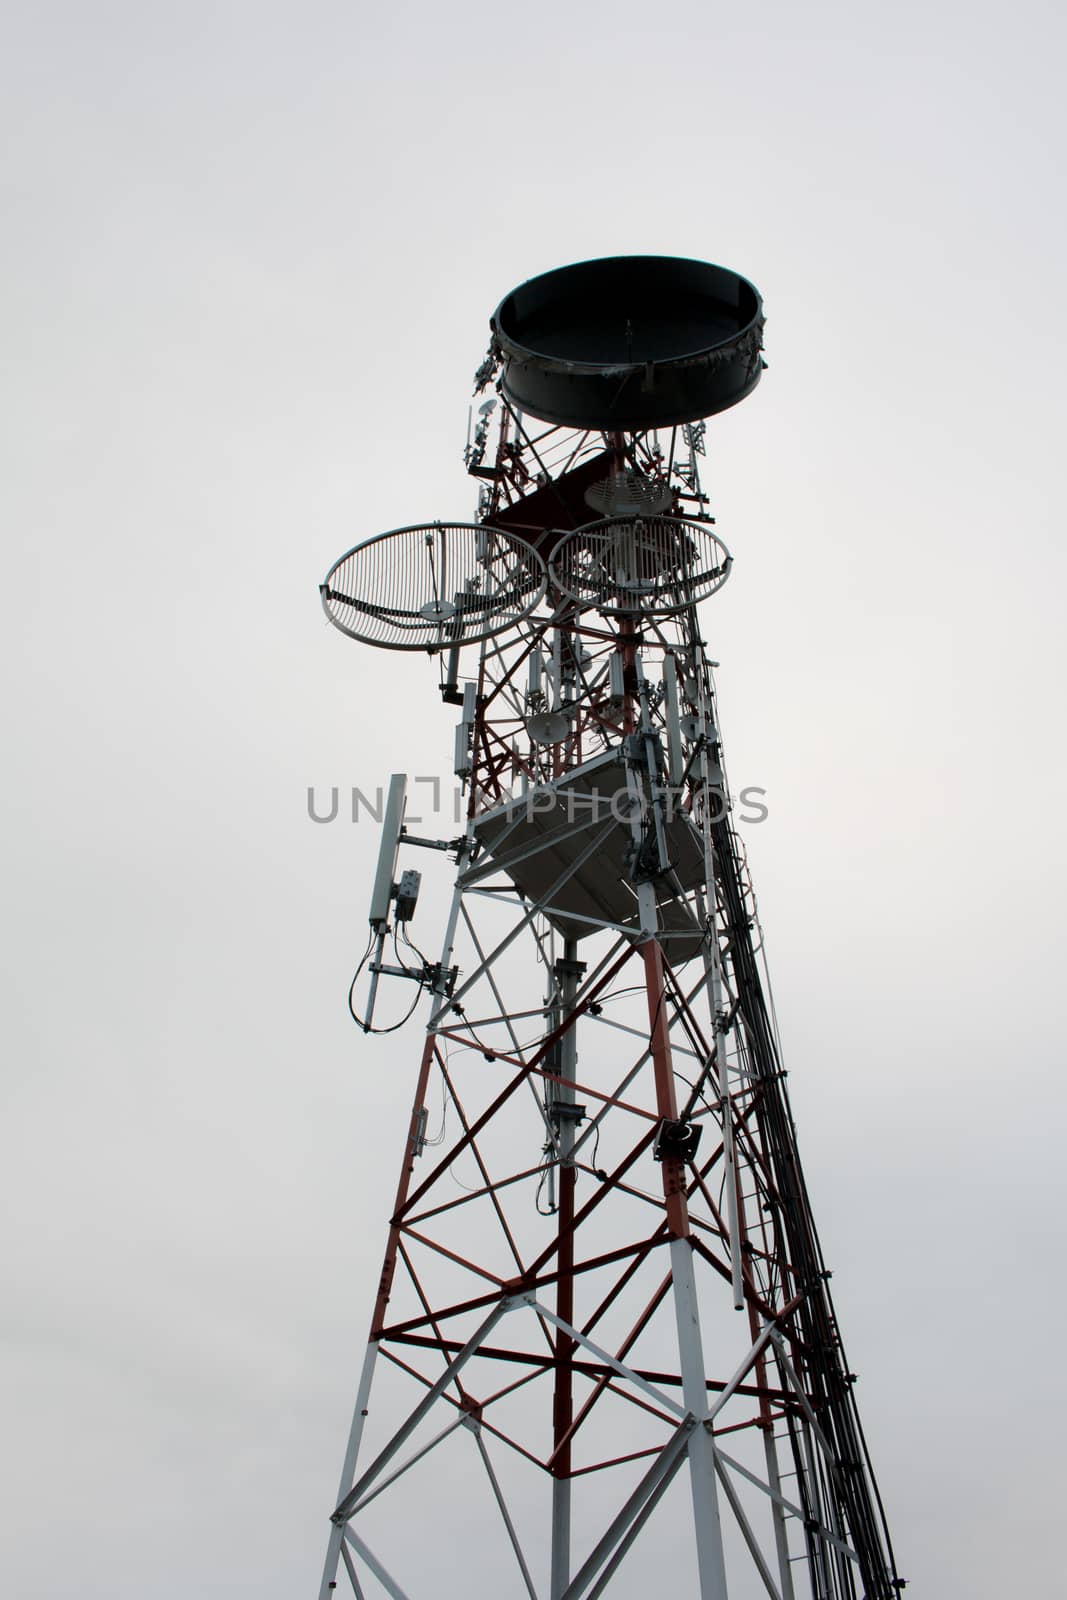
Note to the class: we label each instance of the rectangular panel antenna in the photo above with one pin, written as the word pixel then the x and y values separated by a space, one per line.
pixel 384 877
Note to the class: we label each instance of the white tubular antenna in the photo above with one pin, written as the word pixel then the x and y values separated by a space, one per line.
pixel 461 760
pixel 616 678
pixel 536 669
pixel 384 877
pixel 675 761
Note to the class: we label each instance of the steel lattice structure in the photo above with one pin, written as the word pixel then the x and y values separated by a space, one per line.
pixel 603 1290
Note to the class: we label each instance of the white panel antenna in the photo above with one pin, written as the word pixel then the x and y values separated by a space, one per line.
pixel 385 875
pixel 465 731
pixel 675 758
pixel 616 678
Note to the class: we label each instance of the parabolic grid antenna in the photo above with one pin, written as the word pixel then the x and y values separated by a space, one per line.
pixel 604 1358
pixel 433 587
pixel 655 565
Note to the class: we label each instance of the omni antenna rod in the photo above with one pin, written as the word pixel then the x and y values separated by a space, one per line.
pixel 616 1277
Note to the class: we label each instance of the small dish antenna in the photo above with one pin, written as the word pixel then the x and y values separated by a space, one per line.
pixel 549 727
pixel 629 494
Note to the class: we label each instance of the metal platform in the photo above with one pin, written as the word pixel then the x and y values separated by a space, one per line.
pixel 566 848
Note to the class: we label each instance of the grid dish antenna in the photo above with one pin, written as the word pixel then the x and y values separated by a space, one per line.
pixel 655 565
pixel 433 586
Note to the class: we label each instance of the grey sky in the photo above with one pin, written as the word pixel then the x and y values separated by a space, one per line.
pixel 251 254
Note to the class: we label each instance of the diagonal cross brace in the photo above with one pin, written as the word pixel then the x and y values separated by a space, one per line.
pixel 388 1583
pixel 432 1395
pixel 629 1520
pixel 609 1360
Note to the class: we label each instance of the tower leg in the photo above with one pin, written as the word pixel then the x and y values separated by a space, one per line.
pixel 348 1470
pixel 561 1537
pixel 568 973
pixel 710 1561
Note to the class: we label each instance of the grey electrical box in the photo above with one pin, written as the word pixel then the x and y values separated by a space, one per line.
pixel 407 894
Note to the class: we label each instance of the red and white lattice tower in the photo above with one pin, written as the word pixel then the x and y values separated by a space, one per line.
pixel 603 1353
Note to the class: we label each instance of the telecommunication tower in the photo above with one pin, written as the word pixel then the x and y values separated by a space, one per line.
pixel 603 1354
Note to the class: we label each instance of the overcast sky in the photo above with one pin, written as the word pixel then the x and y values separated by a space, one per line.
pixel 251 251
